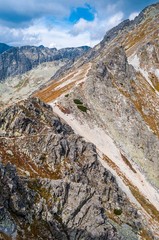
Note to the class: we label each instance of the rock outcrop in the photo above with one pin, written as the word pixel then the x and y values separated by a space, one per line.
pixel 60 190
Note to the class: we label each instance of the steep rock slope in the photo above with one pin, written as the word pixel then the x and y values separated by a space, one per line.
pixel 118 96
pixel 117 99
pixel 60 189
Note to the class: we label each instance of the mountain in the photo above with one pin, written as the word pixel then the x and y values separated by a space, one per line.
pixel 22 86
pixel 4 47
pixel 19 82
pixel 79 157
pixel 118 87
pixel 57 188
pixel 18 60
pixel 110 97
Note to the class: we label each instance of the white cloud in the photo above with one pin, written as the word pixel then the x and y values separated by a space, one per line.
pixel 17 37
pixel 39 34
pixel 15 13
pixel 60 36
pixel 115 19
pixel 133 15
pixel 96 28
pixel 37 22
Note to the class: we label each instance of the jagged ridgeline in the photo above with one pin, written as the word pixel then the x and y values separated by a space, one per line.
pixel 79 156
pixel 18 60
pixel 52 185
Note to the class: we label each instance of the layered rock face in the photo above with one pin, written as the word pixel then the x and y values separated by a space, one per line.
pixel 18 60
pixel 60 190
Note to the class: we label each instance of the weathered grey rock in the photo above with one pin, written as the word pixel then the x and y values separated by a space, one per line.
pixel 67 194
pixel 121 91
pixel 110 96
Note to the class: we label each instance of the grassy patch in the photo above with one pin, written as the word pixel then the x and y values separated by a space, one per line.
pixel 80 105
pixel 117 211
pixel 77 101
pixel 82 108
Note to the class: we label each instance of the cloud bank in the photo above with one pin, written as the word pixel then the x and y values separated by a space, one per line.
pixel 57 23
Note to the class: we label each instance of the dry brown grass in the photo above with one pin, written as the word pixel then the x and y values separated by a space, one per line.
pixel 128 163
pixel 63 109
pixel 141 33
pixel 54 90
pixel 23 162
pixel 142 97
pixel 146 205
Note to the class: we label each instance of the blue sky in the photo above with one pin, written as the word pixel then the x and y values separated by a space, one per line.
pixel 61 23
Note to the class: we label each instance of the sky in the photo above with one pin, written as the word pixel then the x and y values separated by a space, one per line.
pixel 61 23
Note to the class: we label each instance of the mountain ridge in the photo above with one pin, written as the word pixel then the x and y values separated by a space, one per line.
pixel 86 144
pixel 55 169
pixel 118 97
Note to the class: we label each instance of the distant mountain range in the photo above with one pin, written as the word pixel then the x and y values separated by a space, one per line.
pixel 4 47
pixel 18 60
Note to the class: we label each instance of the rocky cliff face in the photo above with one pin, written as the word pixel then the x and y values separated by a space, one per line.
pixel 19 60
pixel 57 188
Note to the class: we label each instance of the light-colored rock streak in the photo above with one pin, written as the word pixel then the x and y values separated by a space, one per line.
pixel 106 146
pixel 77 78
pixel 135 62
